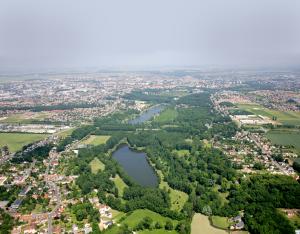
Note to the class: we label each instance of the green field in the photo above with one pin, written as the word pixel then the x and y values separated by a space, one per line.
pixel 284 117
pixel 25 118
pixel 66 133
pixel 166 116
pixel 201 225
pixel 95 140
pixel 178 198
pixel 285 137
pixel 96 165
pixel 138 215
pixel 15 141
pixel 120 184
pixel 133 219
pixel 158 231
pixel 181 153
pixel 220 222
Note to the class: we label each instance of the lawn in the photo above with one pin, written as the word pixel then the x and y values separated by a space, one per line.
pixel 15 141
pixel 96 165
pixel 284 117
pixel 182 153
pixel 167 115
pixel 158 231
pixel 201 225
pixel 178 198
pixel 283 137
pixel 133 219
pixel 220 222
pixel 95 140
pixel 120 184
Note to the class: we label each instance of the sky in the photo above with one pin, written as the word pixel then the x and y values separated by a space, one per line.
pixel 40 35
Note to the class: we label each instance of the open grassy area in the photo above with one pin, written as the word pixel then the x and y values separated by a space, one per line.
pixel 66 133
pixel 182 153
pixel 120 184
pixel 285 137
pixel 220 222
pixel 178 198
pixel 167 115
pixel 15 141
pixel 284 117
pixel 133 219
pixel 158 231
pixel 27 117
pixel 96 140
pixel 96 165
pixel 201 225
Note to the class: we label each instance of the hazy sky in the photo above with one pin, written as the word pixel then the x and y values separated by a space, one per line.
pixel 50 34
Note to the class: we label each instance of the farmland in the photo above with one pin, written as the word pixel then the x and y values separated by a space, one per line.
pixel 15 141
pixel 285 137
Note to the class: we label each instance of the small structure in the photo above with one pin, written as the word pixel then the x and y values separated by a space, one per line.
pixel 238 223
pixel 16 204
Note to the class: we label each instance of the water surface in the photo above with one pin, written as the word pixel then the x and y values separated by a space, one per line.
pixel 136 165
pixel 147 115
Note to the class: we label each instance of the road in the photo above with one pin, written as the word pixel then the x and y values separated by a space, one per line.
pixel 55 188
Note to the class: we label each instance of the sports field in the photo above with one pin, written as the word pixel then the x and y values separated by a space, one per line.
pixel 96 140
pixel 15 141
pixel 284 117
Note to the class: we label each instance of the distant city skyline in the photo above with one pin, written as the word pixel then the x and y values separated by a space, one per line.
pixel 39 36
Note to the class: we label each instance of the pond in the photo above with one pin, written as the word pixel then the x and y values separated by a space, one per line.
pixel 136 166
pixel 148 114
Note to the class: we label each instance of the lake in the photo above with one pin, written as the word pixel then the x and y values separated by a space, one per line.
pixel 148 114
pixel 136 166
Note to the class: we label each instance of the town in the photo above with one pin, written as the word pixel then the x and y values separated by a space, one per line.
pixel 45 126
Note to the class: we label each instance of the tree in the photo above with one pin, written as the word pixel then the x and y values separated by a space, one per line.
pixel 207 210
pixel 169 225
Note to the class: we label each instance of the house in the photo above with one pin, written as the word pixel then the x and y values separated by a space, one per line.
pixel 3 204
pixel 87 228
pixel 74 228
pixel 103 209
pixel 108 214
pixel 106 224
pixel 2 179
pixel 238 223
pixel 30 229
